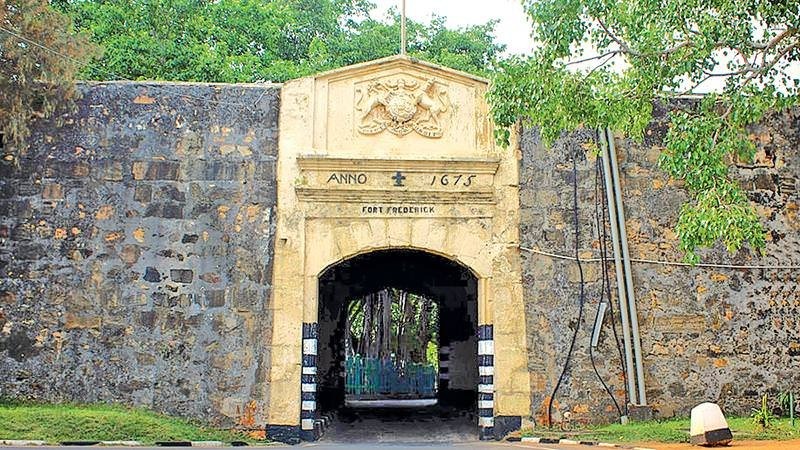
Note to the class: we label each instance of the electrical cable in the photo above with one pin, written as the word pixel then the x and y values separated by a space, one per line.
pixel 603 287
pixel 665 263
pixel 607 280
pixel 581 297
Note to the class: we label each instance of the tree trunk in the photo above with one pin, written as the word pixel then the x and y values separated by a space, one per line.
pixel 366 340
pixel 424 329
pixel 386 322
pixel 408 321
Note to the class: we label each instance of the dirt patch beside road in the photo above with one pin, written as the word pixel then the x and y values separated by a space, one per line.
pixel 739 445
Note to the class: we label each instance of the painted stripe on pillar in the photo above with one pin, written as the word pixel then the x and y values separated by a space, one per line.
pixel 486 381
pixel 444 367
pixel 308 382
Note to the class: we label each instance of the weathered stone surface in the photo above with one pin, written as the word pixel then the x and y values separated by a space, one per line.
pixel 707 334
pixel 105 236
pixel 136 256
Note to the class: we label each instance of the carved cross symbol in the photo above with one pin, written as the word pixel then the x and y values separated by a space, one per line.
pixel 398 178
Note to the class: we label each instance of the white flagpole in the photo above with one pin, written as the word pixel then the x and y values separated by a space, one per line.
pixel 403 27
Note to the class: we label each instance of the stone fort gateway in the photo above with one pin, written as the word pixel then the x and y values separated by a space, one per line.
pixel 193 249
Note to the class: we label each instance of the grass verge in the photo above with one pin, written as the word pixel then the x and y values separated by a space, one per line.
pixel 672 431
pixel 65 422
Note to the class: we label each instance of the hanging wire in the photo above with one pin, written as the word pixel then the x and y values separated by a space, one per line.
pixel 662 262
pixel 605 287
pixel 581 296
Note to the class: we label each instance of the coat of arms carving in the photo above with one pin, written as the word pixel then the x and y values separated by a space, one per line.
pixel 401 105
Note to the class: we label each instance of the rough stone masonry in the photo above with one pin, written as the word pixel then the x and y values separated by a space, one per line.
pixel 708 334
pixel 135 251
pixel 136 240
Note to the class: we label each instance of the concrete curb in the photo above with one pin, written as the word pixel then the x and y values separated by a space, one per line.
pixel 207 444
pixel 121 444
pixel 541 440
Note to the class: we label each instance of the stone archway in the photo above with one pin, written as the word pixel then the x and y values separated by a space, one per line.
pixel 454 290
pixel 345 189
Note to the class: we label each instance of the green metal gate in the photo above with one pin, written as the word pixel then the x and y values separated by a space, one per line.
pixel 375 378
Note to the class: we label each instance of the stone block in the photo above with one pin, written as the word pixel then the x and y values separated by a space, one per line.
pixel 130 254
pixel 112 171
pixel 74 321
pixel 181 275
pixel 147 318
pixel 20 209
pixel 152 275
pixel 28 251
pixel 53 191
pixel 640 413
pixel 211 277
pixel 215 298
pixel 172 193
pixel 7 190
pixel 165 210
pixel 155 170
pixel 143 193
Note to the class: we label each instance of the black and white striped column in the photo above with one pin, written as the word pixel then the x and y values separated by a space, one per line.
pixel 486 381
pixel 308 387
pixel 444 367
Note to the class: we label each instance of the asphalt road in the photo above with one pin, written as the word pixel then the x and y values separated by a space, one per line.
pixel 478 445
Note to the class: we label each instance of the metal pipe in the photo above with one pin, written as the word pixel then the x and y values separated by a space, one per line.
pixel 621 295
pixel 626 263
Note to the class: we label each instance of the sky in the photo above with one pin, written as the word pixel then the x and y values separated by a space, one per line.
pixel 513 30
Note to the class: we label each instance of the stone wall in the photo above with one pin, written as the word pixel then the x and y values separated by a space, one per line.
pixel 136 244
pixel 707 333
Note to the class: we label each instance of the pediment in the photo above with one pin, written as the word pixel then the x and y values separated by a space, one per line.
pixel 403 106
pixel 401 63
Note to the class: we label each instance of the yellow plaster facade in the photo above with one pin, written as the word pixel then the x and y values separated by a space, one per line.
pixel 394 153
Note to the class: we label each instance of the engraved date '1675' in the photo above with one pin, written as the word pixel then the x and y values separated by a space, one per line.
pixel 453 180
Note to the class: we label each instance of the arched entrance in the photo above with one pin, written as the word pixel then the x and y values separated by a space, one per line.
pixel 414 208
pixel 410 370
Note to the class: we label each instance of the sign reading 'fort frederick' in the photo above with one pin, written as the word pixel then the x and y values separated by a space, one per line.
pixel 389 155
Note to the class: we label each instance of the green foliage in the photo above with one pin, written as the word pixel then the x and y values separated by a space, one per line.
pixel 605 63
pixel 39 56
pixel 252 40
pixel 66 422
pixel 412 322
pixel 762 416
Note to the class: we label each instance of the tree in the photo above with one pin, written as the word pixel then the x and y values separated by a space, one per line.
pixel 605 62
pixel 392 322
pixel 39 56
pixel 252 40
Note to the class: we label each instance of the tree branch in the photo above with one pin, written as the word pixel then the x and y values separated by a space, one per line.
pixel 625 48
pixel 579 61
pixel 776 40
pixel 603 63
